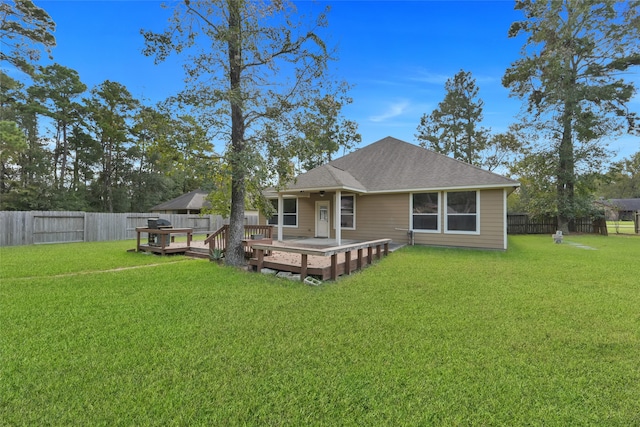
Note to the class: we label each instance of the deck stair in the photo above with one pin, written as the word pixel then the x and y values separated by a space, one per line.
pixel 220 239
pixel 198 253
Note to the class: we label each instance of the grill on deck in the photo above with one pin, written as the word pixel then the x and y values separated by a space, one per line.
pixel 158 224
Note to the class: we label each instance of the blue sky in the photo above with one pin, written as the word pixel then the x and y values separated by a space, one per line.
pixel 396 54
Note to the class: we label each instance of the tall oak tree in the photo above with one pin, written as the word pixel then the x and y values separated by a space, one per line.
pixel 572 76
pixel 251 67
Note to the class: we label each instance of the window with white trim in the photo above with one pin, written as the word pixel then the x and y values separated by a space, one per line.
pixel 289 212
pixel 348 212
pixel 462 211
pixel 425 211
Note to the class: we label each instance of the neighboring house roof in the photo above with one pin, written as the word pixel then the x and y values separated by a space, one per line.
pixel 623 204
pixel 392 165
pixel 189 201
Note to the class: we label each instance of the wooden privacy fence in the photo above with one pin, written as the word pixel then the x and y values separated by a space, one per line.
pixel 525 224
pixel 36 227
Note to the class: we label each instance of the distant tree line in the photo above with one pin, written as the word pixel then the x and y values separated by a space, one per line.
pixel 66 146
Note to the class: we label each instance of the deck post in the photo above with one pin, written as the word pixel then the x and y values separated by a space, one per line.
pixel 334 266
pixel 260 259
pixel 138 241
pixel 369 254
pixel 163 243
pixel 347 263
pixel 386 249
pixel 280 216
pixel 303 267
pixel 337 221
pixel 378 252
pixel 360 259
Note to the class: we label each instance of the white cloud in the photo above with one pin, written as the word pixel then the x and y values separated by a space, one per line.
pixel 424 76
pixel 394 110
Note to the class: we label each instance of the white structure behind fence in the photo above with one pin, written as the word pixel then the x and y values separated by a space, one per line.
pixel 35 227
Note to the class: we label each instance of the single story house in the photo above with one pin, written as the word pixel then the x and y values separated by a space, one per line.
pixel 620 209
pixel 189 203
pixel 192 203
pixel 397 190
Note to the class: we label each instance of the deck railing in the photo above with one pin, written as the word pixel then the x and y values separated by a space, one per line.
pixel 220 239
pixel 381 246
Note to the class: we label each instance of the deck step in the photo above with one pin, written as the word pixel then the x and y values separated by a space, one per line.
pixel 197 254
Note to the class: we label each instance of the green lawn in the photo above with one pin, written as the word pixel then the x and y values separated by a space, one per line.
pixel 621 227
pixel 543 334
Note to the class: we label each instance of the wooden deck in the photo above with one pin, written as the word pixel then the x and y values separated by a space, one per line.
pixel 165 244
pixel 343 259
pixel 320 258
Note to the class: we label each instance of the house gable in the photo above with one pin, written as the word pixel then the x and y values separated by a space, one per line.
pixel 392 165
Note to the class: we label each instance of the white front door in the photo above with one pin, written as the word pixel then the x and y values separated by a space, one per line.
pixel 322 218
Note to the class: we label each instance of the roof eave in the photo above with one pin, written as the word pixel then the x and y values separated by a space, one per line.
pixel 295 191
pixel 318 189
pixel 448 188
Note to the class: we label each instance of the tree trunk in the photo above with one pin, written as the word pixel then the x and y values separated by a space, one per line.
pixel 63 162
pixel 566 173
pixel 106 189
pixel 235 251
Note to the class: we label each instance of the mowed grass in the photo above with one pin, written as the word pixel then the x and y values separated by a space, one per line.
pixel 73 258
pixel 543 334
pixel 621 227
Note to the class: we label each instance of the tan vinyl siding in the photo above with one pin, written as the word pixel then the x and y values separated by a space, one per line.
pixel 306 218
pixel 379 217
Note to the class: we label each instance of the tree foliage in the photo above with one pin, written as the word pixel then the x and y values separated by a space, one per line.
pixel 12 139
pixel 622 181
pixel 323 131
pixel 571 77
pixel 252 67
pixel 454 127
pixel 56 89
pixel 24 29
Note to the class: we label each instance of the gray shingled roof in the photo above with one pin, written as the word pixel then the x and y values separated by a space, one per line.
pixel 189 201
pixel 624 204
pixel 392 165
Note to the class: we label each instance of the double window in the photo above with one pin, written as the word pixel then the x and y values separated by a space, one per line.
pixel 461 211
pixel 289 212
